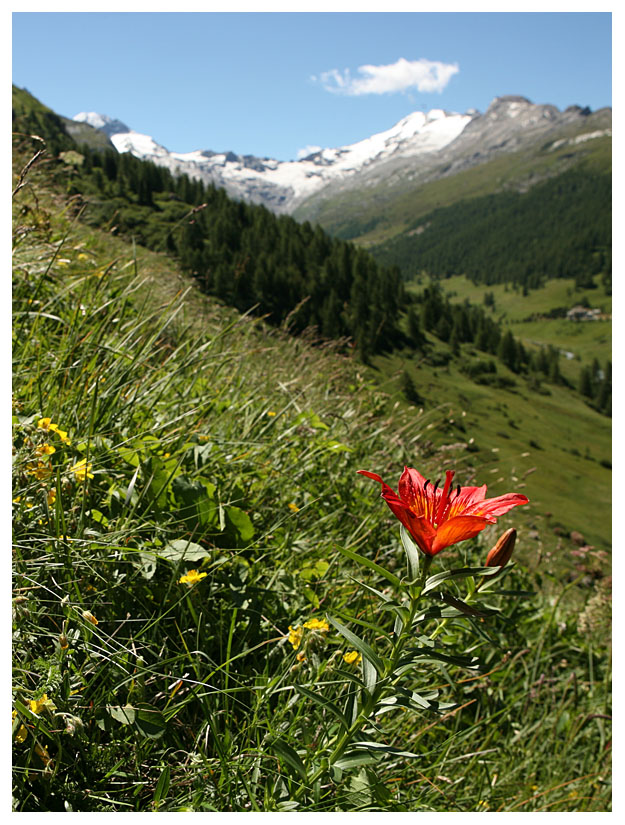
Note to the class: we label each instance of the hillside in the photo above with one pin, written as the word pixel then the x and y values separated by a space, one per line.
pixel 298 277
pixel 482 161
pixel 213 612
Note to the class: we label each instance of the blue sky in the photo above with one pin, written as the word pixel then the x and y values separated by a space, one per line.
pixel 271 83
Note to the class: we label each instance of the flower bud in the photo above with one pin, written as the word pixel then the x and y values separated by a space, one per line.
pixel 501 552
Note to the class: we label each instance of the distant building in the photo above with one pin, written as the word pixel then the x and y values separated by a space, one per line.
pixel 580 313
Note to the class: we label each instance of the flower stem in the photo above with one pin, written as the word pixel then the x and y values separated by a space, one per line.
pixel 381 685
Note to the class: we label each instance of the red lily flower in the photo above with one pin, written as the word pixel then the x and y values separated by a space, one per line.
pixel 438 518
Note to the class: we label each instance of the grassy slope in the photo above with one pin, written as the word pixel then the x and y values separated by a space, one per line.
pixel 586 340
pixel 556 475
pixel 142 366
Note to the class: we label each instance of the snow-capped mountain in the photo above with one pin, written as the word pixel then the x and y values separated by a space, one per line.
pixel 282 185
pixel 420 147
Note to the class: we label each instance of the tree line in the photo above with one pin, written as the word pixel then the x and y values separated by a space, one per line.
pixel 246 255
pixel 558 229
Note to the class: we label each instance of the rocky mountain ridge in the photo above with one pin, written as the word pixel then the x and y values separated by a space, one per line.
pixel 419 148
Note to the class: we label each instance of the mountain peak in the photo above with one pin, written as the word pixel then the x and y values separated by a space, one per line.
pixel 104 123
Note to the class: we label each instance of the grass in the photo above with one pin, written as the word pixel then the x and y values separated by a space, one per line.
pixel 551 447
pixel 190 438
pixel 580 342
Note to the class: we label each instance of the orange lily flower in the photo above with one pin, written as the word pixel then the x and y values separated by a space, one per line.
pixel 437 518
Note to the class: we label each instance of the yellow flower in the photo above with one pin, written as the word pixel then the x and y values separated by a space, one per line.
pixel 317 624
pixel 22 733
pixel 352 658
pixel 43 754
pixel 295 636
pixel 191 577
pixel 47 425
pixel 51 496
pixel 86 614
pixel 39 470
pixel 301 656
pixel 293 507
pixel 37 705
pixel 82 470
pixel 271 412
pixel 45 449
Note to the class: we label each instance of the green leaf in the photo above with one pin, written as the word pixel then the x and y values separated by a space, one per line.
pixel 461 606
pixel 353 759
pixel 290 756
pixel 157 475
pixel 312 420
pixel 150 721
pixel 180 549
pixel 462 573
pixel 394 580
pixel 241 523
pixel 162 786
pixel 337 447
pixel 312 597
pixel 369 674
pixel 376 747
pixel 361 646
pixel 124 715
pixel 412 553
pixel 324 703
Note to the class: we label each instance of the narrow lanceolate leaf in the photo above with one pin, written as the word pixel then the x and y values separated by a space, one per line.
pixel 353 759
pixel 412 553
pixel 162 786
pixel 371 565
pixel 467 609
pixel 462 573
pixel 324 703
pixel 376 747
pixel 369 674
pixel 287 754
pixel 361 646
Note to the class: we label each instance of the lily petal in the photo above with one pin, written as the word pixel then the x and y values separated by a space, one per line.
pixel 493 507
pixel 457 529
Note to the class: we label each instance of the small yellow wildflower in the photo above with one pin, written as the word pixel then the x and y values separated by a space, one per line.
pixel 293 507
pixel 43 755
pixel 86 614
pixel 37 705
pixel 352 658
pixel 51 496
pixel 40 470
pixel 48 425
pixel 83 257
pixel 317 624
pixel 271 413
pixel 22 732
pixel 295 636
pixel 191 577
pixel 82 470
pixel 45 449
pixel 301 656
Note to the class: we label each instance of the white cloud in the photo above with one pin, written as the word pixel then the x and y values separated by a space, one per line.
pixel 423 75
pixel 307 150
